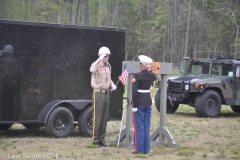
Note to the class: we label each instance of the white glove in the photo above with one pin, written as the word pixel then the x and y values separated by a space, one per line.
pixel 102 56
pixel 113 87
pixel 134 110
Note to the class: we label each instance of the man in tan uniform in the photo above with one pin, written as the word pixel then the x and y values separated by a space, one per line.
pixel 102 85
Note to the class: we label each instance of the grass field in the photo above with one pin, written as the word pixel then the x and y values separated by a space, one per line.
pixel 199 138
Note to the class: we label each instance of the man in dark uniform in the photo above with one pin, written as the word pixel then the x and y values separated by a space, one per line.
pixel 141 103
pixel 101 83
pixel 10 73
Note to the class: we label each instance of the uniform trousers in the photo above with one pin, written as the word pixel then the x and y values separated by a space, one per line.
pixel 141 124
pixel 101 102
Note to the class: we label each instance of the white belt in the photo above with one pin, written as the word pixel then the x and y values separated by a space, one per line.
pixel 143 91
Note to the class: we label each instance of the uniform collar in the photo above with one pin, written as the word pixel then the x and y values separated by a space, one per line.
pixel 103 64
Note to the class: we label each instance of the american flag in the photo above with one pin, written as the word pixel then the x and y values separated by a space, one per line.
pixel 124 74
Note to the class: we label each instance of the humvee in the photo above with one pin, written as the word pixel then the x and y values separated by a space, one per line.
pixel 205 84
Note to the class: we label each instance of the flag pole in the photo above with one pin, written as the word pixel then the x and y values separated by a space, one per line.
pixel 117 82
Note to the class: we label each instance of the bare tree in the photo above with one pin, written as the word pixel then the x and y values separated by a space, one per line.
pixel 150 27
pixel 96 14
pixel 26 10
pixel 188 24
pixel 70 12
pixel 116 12
pixel 59 11
pixel 77 11
pixel 85 13
pixel 237 32
pixel 175 31
pixel 139 17
pixel 139 14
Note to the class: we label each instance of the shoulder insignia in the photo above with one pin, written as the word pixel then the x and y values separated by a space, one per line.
pixel 133 80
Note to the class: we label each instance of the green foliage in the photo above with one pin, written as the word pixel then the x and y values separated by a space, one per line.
pixel 161 20
pixel 149 24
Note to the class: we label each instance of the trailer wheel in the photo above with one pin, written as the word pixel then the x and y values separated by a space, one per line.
pixel 85 122
pixel 171 108
pixel 5 126
pixel 31 125
pixel 208 104
pixel 60 123
pixel 235 109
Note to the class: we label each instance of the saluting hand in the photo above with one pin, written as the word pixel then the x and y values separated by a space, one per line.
pixel 102 56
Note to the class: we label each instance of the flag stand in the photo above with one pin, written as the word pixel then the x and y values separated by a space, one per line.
pixel 127 133
pixel 165 138
pixel 162 132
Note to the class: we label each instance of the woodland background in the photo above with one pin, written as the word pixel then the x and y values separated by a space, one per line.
pixel 165 30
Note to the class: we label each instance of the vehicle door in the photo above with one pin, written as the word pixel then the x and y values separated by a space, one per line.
pixel 228 83
pixel 237 84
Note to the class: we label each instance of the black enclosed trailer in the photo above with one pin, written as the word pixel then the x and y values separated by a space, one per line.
pixel 52 85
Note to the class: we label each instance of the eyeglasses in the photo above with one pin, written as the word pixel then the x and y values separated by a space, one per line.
pixel 107 56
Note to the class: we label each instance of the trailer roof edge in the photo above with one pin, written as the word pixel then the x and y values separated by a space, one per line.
pixel 5 21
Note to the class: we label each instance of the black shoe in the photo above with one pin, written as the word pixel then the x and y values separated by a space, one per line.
pixel 96 144
pixel 137 153
pixel 104 144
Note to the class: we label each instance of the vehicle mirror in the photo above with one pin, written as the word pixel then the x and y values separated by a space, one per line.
pixel 238 72
pixel 185 65
pixel 181 68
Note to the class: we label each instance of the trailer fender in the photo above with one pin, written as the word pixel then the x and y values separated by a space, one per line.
pixel 78 104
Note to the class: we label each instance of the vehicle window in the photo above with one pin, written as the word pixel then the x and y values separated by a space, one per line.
pixel 216 68
pixel 199 68
pixel 227 70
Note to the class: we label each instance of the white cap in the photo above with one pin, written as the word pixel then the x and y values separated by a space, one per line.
pixel 145 59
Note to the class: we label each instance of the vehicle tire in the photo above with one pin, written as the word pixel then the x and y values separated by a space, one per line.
pixel 208 104
pixel 5 126
pixel 60 123
pixel 171 108
pixel 31 125
pixel 85 122
pixel 235 109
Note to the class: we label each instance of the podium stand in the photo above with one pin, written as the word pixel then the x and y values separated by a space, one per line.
pixel 162 132
pixel 125 138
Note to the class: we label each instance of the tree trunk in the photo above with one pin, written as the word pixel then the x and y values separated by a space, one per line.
pixel 59 11
pixel 169 49
pixel 237 31
pixel 26 10
pixel 175 31
pixel 116 12
pixel 96 13
pixel 140 10
pixel 188 24
pixel 139 17
pixel 163 48
pixel 3 10
pixel 77 11
pixel 149 26
pixel 85 13
pixel 70 12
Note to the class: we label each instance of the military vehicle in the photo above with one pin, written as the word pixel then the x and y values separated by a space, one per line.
pixel 47 83
pixel 205 84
